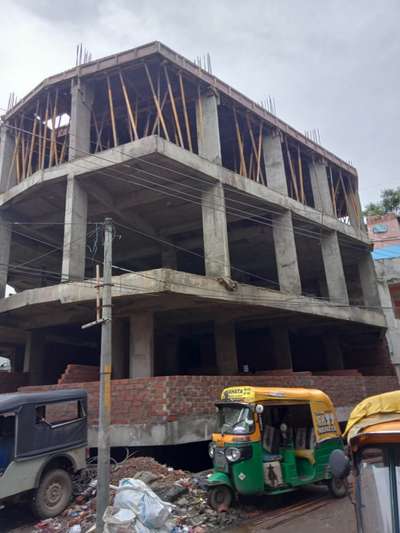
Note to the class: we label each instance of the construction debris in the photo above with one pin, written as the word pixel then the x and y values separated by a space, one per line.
pixel 185 491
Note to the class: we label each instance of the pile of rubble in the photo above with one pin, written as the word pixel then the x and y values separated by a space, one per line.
pixel 184 490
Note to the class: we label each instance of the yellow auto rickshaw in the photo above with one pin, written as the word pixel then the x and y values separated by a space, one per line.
pixel 270 441
pixel 373 435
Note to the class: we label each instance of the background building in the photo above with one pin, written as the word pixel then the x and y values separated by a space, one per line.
pixel 239 246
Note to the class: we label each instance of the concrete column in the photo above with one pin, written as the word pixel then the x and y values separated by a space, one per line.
pixel 333 352
pixel 369 286
pixel 8 176
pixel 281 350
pixel 34 362
pixel 208 138
pixel 320 187
pixel 17 359
pixel 215 232
pixel 120 348
pixel 5 247
pixel 286 254
pixel 333 265
pixel 82 97
pixel 141 345
pixel 74 251
pixel 225 348
pixel 274 163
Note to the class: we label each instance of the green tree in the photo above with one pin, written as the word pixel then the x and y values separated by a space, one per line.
pixel 389 203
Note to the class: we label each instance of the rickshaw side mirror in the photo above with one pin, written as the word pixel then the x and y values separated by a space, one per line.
pixel 259 409
pixel 339 464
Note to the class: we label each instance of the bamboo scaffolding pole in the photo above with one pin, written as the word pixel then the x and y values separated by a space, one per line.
pixel 258 179
pixel 128 106
pixel 292 173
pixel 301 177
pixel 46 118
pixel 111 105
pixel 33 138
pixel 156 103
pixel 53 130
pixel 185 113
pixel 156 124
pixel 243 170
pixel 173 106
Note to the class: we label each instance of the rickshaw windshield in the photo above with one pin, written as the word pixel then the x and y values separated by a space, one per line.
pixel 378 489
pixel 235 419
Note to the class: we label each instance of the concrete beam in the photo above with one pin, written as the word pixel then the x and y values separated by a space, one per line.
pixel 141 345
pixel 74 251
pixel 320 187
pixel 225 347
pixel 215 232
pixel 369 286
pixel 274 162
pixel 282 353
pixel 5 247
pixel 333 265
pixel 8 176
pixel 286 253
pixel 80 125
pixel 208 136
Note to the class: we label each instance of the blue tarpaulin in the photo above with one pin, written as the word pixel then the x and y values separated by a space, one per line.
pixel 389 252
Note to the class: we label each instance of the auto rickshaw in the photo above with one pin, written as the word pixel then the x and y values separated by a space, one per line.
pixel 373 435
pixel 271 441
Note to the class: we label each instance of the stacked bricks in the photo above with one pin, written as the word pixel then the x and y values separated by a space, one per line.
pixel 168 398
pixel 79 374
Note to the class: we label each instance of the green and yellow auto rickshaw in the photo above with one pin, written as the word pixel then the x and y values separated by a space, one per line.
pixel 270 441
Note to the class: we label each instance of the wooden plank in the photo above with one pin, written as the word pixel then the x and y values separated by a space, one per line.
pixel 111 106
pixel 128 107
pixel 173 106
pixel 185 113
pixel 156 103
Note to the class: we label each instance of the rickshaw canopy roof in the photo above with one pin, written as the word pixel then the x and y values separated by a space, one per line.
pixel 373 410
pixel 276 394
pixel 13 401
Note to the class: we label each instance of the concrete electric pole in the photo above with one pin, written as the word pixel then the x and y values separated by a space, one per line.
pixel 103 461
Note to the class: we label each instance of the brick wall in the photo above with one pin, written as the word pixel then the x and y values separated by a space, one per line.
pixel 79 374
pixel 166 398
pixel 11 381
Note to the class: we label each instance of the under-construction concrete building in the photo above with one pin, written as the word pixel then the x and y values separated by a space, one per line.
pixel 240 255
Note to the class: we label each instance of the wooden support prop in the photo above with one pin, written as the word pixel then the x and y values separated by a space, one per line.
pixel 200 126
pixel 46 118
pixel 156 124
pixel 14 157
pixel 243 170
pixel 156 103
pixel 128 123
pixel 33 138
pixel 185 113
pixel 333 192
pixel 23 156
pixel 128 106
pixel 99 132
pixel 64 146
pixel 292 172
pixel 260 134
pixel 111 105
pixel 346 198
pixel 53 132
pixel 173 106
pixel 146 128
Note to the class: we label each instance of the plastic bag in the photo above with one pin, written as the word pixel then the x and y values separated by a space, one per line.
pixel 119 520
pixel 135 495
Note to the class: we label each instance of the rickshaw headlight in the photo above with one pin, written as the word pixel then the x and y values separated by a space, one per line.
pixel 232 454
pixel 211 450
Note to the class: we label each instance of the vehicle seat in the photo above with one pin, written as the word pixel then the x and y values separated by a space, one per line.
pixel 306 454
pixel 305 442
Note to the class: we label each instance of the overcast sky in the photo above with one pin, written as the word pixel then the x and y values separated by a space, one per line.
pixel 329 65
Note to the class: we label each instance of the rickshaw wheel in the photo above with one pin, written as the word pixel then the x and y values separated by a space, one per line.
pixel 53 494
pixel 219 497
pixel 337 487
